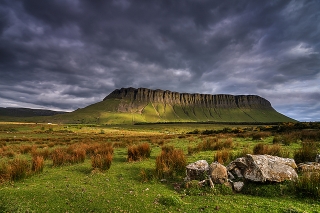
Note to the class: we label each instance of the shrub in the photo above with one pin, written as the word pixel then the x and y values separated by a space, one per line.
pixel 37 164
pixel 101 161
pixel 170 162
pixel 138 152
pixel 306 153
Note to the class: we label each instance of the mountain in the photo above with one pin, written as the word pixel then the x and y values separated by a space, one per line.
pixel 26 112
pixel 130 105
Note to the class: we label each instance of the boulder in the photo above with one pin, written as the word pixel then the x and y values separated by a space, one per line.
pixel 262 168
pixel 218 173
pixel 197 170
pixel 309 167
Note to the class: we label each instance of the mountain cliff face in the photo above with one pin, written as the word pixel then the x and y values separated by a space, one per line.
pixel 130 105
pixel 135 97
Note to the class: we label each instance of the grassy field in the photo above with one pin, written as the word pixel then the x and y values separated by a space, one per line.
pixel 74 186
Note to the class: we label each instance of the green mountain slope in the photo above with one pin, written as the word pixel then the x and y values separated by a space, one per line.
pixel 129 106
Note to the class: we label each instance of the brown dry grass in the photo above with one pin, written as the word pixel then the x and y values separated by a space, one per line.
pixel 101 161
pixel 170 162
pixel 37 164
pixel 138 152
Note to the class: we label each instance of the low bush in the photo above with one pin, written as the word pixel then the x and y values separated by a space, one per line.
pixel 170 163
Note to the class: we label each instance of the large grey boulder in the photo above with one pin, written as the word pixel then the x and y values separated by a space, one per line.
pixel 218 173
pixel 197 170
pixel 262 168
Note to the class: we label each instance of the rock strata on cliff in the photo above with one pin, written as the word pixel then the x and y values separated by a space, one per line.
pixel 135 97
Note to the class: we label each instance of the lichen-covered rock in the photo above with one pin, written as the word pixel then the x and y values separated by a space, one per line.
pixel 218 173
pixel 262 168
pixel 309 167
pixel 237 186
pixel 197 170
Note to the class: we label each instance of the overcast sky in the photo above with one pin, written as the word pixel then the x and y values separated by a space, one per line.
pixel 67 54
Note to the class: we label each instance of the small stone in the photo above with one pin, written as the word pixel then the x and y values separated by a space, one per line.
pixel 237 186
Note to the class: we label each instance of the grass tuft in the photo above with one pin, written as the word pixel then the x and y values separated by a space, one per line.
pixel 170 162
pixel 138 152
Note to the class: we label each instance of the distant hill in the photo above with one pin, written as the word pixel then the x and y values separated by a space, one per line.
pixel 130 105
pixel 26 112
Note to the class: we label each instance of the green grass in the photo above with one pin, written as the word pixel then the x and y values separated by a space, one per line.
pixel 132 186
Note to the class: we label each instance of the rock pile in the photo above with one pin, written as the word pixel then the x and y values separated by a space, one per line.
pixel 257 168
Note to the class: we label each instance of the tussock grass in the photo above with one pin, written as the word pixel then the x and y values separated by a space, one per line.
pixel 170 163
pixel 223 156
pixel 307 152
pixel 37 164
pixel 260 135
pixel 45 153
pixel 308 185
pixel 101 161
pixel 138 152
pixel 212 144
pixel 264 149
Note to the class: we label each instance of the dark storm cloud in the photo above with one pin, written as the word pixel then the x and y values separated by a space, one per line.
pixel 69 54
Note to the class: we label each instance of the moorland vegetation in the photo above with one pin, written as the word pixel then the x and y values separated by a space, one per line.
pixel 140 168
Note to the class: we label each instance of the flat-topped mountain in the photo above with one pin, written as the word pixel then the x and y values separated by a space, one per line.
pixel 143 95
pixel 130 105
